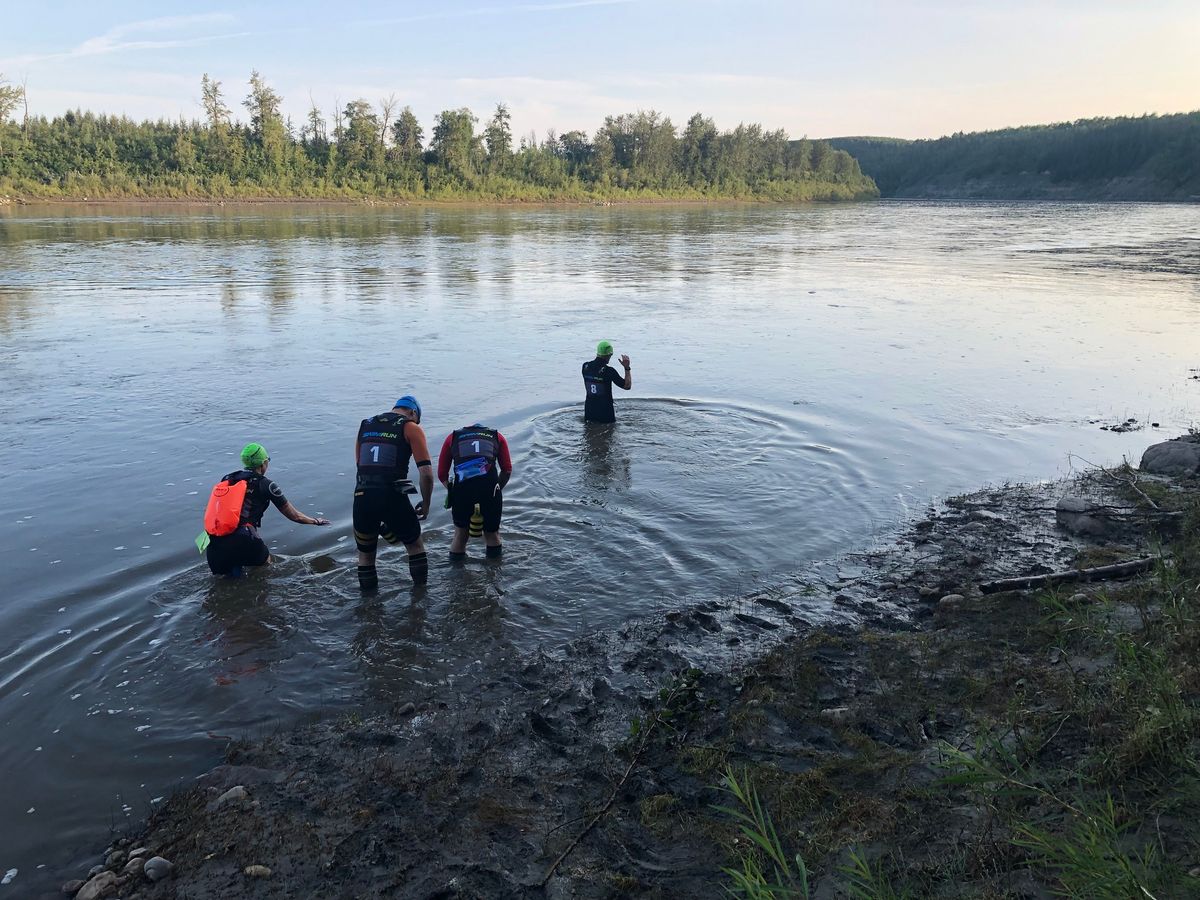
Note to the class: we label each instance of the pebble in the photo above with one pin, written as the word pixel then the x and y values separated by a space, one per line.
pixel 407 709
pixel 927 592
pixel 157 868
pixel 71 888
pixel 134 866
pixel 1079 598
pixel 951 601
pixel 257 871
pixel 115 859
pixel 139 851
pixel 1194 872
pixel 95 870
pixel 101 886
pixel 237 792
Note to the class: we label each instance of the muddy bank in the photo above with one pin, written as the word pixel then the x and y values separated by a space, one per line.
pixel 596 772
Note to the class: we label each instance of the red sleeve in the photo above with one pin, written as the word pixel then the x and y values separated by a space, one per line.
pixel 503 457
pixel 444 459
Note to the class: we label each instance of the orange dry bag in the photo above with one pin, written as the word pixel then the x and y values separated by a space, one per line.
pixel 224 512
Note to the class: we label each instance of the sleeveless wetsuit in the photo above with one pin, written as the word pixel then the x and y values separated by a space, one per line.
pixel 479 455
pixel 386 444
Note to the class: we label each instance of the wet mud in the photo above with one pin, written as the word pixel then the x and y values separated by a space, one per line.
pixel 596 772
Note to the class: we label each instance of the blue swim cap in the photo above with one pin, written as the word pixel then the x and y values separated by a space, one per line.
pixel 408 401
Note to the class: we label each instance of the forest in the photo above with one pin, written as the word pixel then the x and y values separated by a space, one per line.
pixel 1133 158
pixel 365 150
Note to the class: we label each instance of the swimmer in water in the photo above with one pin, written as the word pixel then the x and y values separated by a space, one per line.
pixel 598 380
pixel 385 445
pixel 235 511
pixel 482 467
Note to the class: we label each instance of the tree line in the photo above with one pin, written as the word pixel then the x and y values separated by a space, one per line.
pixel 381 150
pixel 1147 157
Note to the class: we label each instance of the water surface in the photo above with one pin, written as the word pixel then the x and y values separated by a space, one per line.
pixel 805 377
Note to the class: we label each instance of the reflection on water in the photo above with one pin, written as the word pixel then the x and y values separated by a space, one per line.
pixel 603 464
pixel 845 364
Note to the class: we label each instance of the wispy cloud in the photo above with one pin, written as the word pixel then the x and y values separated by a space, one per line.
pixel 480 11
pixel 147 34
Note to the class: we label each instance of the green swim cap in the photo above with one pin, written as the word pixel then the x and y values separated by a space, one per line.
pixel 604 348
pixel 254 455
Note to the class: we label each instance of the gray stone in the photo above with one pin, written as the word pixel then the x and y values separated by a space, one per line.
pixel 134 866
pixel 71 888
pixel 139 851
pixel 1080 598
pixel 1078 515
pixel 407 709
pixel 102 885
pixel 1178 457
pixel 115 859
pixel 223 777
pixel 95 870
pixel 927 593
pixel 157 868
pixel 257 871
pixel 235 793
pixel 836 713
pixel 951 601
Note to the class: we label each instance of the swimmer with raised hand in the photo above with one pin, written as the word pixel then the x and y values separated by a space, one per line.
pixel 598 380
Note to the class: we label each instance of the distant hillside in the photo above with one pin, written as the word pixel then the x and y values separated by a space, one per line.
pixel 1144 158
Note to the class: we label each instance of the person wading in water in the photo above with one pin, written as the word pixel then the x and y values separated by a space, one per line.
pixel 235 511
pixel 598 380
pixel 482 467
pixel 385 445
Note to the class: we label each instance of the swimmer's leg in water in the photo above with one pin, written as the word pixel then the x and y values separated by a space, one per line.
pixel 418 562
pixel 368 544
pixel 458 545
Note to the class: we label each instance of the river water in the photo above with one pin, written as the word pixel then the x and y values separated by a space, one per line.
pixel 805 377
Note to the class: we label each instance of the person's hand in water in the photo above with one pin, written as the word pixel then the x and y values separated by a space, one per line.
pixel 421 511
pixel 322 522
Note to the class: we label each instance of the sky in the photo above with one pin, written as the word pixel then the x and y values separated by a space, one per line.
pixel 821 69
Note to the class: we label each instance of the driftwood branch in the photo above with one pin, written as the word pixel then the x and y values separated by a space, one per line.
pixel 656 720
pixel 1096 573
pixel 1130 482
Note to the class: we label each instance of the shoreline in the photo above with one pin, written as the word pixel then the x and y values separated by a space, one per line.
pixel 846 697
pixel 371 202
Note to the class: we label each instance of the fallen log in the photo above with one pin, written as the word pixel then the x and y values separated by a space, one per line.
pixel 1096 573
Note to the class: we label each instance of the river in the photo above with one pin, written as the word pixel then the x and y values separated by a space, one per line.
pixel 805 378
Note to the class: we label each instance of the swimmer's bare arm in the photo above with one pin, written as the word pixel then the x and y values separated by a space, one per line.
pixel 296 516
pixel 426 479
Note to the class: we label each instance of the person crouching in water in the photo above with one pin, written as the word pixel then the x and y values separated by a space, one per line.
pixel 385 445
pixel 482 467
pixel 235 511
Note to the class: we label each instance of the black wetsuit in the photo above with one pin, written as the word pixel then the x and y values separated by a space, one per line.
pixel 243 546
pixel 476 448
pixel 598 379
pixel 381 504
